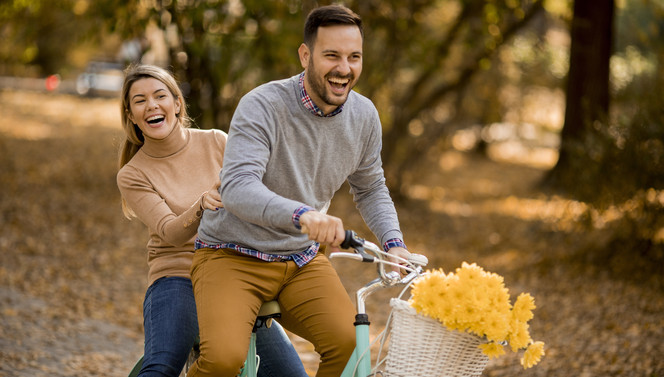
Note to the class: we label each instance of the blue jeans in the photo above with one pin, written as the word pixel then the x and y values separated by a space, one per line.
pixel 171 328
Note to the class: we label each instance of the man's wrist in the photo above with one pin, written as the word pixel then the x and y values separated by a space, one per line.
pixel 394 242
pixel 298 213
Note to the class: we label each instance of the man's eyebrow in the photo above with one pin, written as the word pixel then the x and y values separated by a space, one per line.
pixel 336 52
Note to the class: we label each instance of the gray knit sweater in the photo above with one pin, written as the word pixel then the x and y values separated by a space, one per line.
pixel 279 157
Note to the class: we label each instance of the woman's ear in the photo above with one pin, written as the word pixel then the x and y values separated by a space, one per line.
pixel 178 106
pixel 130 116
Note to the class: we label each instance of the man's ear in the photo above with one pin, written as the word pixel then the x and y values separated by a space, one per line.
pixel 304 54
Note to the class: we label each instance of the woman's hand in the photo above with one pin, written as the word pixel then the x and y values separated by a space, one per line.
pixel 212 198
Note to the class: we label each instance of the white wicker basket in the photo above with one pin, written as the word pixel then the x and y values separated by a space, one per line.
pixel 422 346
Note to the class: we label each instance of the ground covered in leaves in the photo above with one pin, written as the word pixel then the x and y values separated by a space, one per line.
pixel 73 269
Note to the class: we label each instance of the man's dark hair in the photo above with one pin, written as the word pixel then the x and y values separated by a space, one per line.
pixel 329 15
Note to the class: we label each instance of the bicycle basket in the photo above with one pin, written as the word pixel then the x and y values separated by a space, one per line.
pixel 422 346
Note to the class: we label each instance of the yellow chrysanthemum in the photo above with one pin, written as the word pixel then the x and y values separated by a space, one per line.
pixel 519 335
pixel 492 350
pixel 469 272
pixel 475 301
pixel 523 307
pixel 497 327
pixel 426 292
pixel 532 355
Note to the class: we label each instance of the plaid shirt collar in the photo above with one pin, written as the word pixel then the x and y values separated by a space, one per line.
pixel 310 105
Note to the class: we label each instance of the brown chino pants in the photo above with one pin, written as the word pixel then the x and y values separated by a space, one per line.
pixel 230 287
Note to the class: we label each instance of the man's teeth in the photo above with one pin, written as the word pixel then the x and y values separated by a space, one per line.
pixel 338 81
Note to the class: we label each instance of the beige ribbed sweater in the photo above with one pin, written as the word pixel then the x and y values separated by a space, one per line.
pixel 163 184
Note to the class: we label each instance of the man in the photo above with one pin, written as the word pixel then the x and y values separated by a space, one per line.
pixel 292 144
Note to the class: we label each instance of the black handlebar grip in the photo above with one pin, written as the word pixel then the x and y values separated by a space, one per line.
pixel 352 240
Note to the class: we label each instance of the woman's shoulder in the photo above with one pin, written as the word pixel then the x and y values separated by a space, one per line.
pixel 211 136
pixel 130 174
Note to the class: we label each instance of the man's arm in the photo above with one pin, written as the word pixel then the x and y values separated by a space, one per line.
pixel 245 161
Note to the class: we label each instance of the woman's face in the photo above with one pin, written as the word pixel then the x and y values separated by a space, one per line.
pixel 153 108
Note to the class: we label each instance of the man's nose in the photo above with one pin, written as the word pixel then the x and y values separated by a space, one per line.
pixel 343 67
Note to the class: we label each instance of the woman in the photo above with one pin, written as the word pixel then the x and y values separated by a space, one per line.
pixel 168 176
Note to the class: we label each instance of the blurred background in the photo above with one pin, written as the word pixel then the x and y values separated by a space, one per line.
pixel 524 135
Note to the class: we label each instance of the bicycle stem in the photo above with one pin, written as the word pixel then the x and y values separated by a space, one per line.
pixel 363 293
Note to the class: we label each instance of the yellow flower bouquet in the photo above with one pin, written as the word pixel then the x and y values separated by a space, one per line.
pixel 475 301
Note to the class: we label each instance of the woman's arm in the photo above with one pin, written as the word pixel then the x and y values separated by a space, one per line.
pixel 154 212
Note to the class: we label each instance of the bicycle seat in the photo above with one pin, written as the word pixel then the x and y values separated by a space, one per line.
pixel 269 309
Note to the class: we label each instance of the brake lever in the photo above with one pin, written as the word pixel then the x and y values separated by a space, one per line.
pixel 352 240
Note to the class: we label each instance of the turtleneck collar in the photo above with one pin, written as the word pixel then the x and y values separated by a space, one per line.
pixel 171 144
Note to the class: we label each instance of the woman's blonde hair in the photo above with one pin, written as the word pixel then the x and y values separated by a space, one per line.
pixel 133 135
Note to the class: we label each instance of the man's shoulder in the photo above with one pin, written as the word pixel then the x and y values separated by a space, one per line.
pixel 274 88
pixel 359 103
pixel 356 96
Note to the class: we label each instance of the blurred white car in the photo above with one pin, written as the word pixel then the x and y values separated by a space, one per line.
pixel 100 78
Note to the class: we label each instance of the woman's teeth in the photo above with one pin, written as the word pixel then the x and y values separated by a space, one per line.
pixel 155 119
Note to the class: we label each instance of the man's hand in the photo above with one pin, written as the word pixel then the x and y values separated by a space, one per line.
pixel 399 252
pixel 324 229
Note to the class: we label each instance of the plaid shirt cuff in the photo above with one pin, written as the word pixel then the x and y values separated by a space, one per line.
pixel 394 242
pixel 299 212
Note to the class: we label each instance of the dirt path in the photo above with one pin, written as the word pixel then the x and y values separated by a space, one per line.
pixel 35 342
pixel 72 269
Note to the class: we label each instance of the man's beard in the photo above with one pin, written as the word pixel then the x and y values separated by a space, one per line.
pixel 318 85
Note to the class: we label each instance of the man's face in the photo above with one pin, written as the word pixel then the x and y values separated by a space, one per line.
pixel 334 66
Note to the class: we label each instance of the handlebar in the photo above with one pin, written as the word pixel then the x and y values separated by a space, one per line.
pixel 368 252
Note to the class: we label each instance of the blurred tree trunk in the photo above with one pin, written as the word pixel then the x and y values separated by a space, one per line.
pixel 587 101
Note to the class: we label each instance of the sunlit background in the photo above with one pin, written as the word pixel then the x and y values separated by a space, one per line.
pixel 473 97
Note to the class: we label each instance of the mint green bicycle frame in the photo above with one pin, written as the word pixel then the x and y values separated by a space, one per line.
pixel 359 363
pixel 251 364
